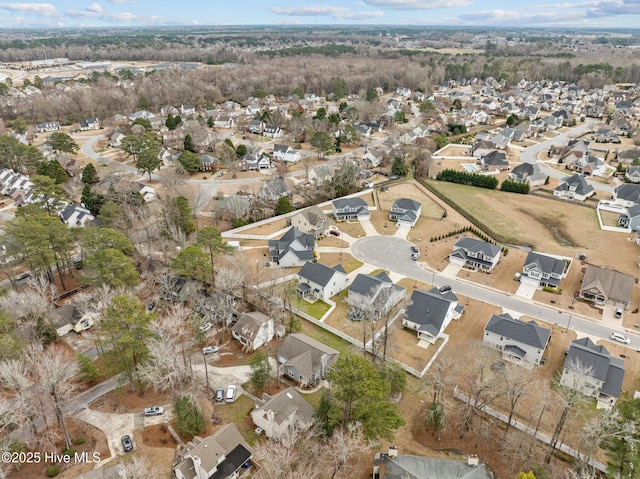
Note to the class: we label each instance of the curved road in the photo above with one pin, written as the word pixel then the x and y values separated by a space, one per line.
pixel 394 254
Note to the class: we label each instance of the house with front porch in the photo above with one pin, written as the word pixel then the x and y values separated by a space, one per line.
pixel 544 271
pixel 605 286
pixel 591 370
pixel 633 174
pixel 626 195
pixel 521 342
pixel 253 330
pixel 405 212
pixel 430 312
pixel 285 153
pixel 317 281
pixel 494 160
pixel 529 173
pixel 350 209
pixel 311 220
pixel 474 254
pixel 305 359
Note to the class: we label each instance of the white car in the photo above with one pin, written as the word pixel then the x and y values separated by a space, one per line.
pixel 619 337
pixel 210 349
pixel 206 327
pixel 153 411
pixel 231 393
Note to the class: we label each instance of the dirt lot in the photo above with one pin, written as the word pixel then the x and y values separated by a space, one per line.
pixel 121 401
pixel 267 228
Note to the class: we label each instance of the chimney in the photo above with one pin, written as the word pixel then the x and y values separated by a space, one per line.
pixel 472 460
pixel 393 451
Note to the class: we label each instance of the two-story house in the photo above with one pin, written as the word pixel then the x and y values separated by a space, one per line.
pixel 494 160
pixel 294 248
pixel 76 215
pixel 430 312
pixel 529 173
pixel 223 455
pixel 285 153
pixel 350 209
pixel 278 414
pixel 544 271
pixel 69 317
pixel 311 220
pixel 317 281
pixel 253 330
pixel 626 195
pixel 377 292
pixel 405 212
pixel 521 342
pixel 574 188
pixel 591 370
pixel 475 254
pixel 304 359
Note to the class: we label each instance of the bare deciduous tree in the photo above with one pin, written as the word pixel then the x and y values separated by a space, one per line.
pixel 291 456
pixel 344 444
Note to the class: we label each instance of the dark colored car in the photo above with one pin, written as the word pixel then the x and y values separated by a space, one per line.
pixel 220 394
pixel 127 445
pixel 414 249
pixel 335 232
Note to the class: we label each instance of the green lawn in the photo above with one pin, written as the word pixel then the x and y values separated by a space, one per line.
pixel 314 398
pixel 325 337
pixel 316 309
pixel 236 411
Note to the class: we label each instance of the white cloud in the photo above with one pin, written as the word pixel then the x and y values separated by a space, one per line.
pixel 41 9
pixel 338 13
pixel 417 4
pixel 94 7
pixel 120 2
pixel 520 17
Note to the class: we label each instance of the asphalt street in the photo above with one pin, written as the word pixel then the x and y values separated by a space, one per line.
pixel 394 254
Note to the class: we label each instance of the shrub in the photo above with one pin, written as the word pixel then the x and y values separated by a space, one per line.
pixel 465 178
pixel 80 440
pixel 53 471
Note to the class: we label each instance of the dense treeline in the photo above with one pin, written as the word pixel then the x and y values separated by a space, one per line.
pixel 465 178
pixel 515 186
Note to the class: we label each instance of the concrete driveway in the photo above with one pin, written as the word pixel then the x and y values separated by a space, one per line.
pixel 526 291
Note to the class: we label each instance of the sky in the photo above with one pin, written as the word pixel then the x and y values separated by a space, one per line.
pixel 500 13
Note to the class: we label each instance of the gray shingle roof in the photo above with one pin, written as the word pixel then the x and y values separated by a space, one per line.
pixel 429 308
pixel 547 264
pixel 526 333
pixel 305 353
pixel 577 181
pixel 350 202
pixel 604 366
pixel 615 285
pixel 416 467
pixel 285 403
pixel 318 273
pixel 474 246
pixel 406 204
pixel 628 192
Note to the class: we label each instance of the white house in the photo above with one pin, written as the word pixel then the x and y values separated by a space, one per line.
pixel 544 271
pixel 430 312
pixel 285 153
pixel 294 248
pixel 475 254
pixel 405 211
pixel 377 291
pixel 69 318
pixel 253 330
pixel 317 281
pixel 76 215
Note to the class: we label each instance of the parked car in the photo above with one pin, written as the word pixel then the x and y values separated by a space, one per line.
pixel 22 276
pixel 153 411
pixel 127 444
pixel 210 349
pixel 415 256
pixel 220 394
pixel 334 232
pixel 618 313
pixel 231 393
pixel 619 337
pixel 414 249
pixel 151 305
pixel 206 327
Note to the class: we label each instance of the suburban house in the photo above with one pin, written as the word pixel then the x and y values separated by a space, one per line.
pixel 147 192
pixel 626 195
pixel 256 126
pixel 630 218
pixel 606 286
pixel 430 312
pixel 221 456
pixel 178 289
pixel 253 330
pixel 574 188
pixel 311 220
pixel 544 271
pixel 320 174
pixel 481 148
pixel 48 126
pixel 350 209
pixel 272 131
pixel 285 153
pixel 209 163
pixel 392 465
pixel 254 162
pixel 377 292
pixel 317 281
pixel 494 160
pixel 224 121
pixel 69 318
pixel 115 139
pixel 475 254
pixel 304 359
pixel 590 369
pixel 587 165
pixel 405 212
pixel 76 216
pixel 528 173
pixel 633 174
pixel 521 342
pixel 294 248
pixel 287 409
pixel 274 189
pixel 90 124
